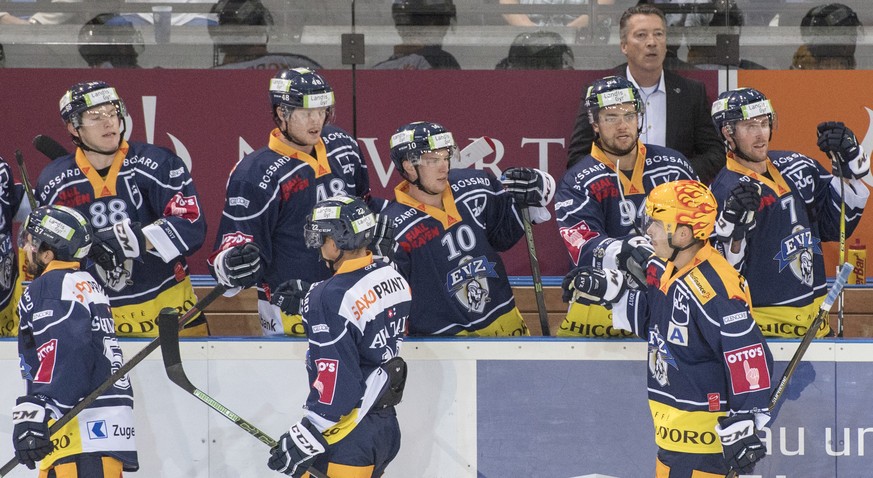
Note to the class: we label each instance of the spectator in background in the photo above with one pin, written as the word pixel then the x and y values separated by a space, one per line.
pixel 109 46
pixel 422 25
pixel 819 50
pixel 728 18
pixel 551 19
pixel 241 38
pixel 677 111
pixel 539 50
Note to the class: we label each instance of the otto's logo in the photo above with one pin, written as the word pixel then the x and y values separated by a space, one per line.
pixel 185 207
pixel 325 383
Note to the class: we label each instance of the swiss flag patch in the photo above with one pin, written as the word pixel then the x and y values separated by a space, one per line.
pixel 47 353
pixel 748 369
pixel 185 207
pixel 575 237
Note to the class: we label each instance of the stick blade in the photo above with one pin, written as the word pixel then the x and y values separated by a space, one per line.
pixel 475 151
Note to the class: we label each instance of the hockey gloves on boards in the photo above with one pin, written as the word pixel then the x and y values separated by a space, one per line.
pixel 117 243
pixel 383 241
pixel 740 444
pixel 740 209
pixel 588 285
pixel 238 266
pixel 30 434
pixel 289 294
pixel 297 449
pixel 530 188
pixel 840 143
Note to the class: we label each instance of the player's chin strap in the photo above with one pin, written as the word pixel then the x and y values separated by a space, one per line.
pixel 676 249
pixel 77 140
pixel 738 152
pixel 331 263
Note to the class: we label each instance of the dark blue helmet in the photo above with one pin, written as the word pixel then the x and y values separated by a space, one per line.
pixel 84 96
pixel 411 140
pixel 346 219
pixel 300 88
pixel 61 228
pixel 611 91
pixel 740 104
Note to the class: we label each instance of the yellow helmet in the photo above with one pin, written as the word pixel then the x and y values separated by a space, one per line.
pixel 684 202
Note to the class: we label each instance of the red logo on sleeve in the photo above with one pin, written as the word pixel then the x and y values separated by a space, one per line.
pixel 714 400
pixel 229 240
pixel 46 353
pixel 325 383
pixel 185 207
pixel 575 238
pixel 748 369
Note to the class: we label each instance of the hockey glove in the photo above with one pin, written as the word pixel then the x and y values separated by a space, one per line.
pixel 847 156
pixel 740 444
pixel 238 266
pixel 529 187
pixel 740 209
pixel 383 241
pixel 297 449
pixel 589 285
pixel 116 243
pixel 630 255
pixel 288 296
pixel 30 434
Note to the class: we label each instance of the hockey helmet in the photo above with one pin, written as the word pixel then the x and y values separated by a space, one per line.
pixel 346 219
pixel 412 140
pixel 839 37
pixel 62 229
pixel 684 202
pixel 540 50
pixel 84 96
pixel 611 91
pixel 240 13
pixel 741 104
pixel 109 38
pixel 301 88
pixel 423 12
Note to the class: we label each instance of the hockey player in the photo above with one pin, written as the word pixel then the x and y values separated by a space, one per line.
pixel 67 348
pixel 450 225
pixel 272 191
pixel 709 366
pixel 11 195
pixel 778 206
pixel 141 202
pixel 601 196
pixel 355 323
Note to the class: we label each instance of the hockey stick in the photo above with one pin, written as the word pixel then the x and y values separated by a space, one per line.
pixel 838 162
pixel 19 158
pixel 836 290
pixel 475 151
pixel 49 147
pixel 535 272
pixel 121 372
pixel 169 335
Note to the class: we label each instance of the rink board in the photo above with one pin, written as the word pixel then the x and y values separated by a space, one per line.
pixel 486 409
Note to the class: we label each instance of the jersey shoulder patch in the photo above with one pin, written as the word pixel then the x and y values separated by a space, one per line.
pixel 700 287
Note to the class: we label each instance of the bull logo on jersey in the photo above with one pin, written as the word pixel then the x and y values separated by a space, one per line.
pixel 476 205
pixel 7 261
pixel 660 357
pixel 133 190
pixel 118 278
pixel 796 252
pixel 112 352
pixel 469 282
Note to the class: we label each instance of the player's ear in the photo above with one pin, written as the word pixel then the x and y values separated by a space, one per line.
pixel 410 171
pixel 72 130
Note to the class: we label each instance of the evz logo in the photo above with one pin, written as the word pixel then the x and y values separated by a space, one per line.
pixel 476 204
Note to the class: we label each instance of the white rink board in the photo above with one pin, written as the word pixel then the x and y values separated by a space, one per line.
pixel 264 381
